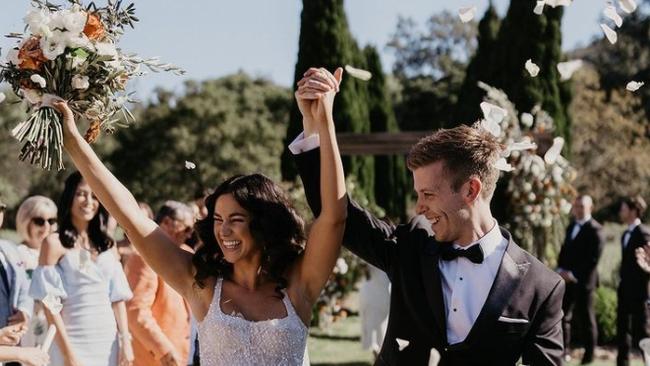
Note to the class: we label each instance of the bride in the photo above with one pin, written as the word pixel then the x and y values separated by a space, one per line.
pixel 252 285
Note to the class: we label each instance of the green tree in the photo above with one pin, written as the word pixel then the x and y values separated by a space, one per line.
pixel 326 41
pixel 232 125
pixel 391 180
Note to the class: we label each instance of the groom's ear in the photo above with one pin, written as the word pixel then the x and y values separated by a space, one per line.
pixel 472 189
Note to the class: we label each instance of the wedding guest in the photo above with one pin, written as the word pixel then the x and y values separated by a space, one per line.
pixel 35 221
pixel 251 285
pixel 81 283
pixel 632 323
pixel 577 264
pixel 159 318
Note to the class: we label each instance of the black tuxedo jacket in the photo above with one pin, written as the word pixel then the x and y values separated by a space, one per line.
pixel 581 255
pixel 634 286
pixel 521 317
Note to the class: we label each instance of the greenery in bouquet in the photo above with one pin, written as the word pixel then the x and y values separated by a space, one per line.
pixel 71 52
pixel 540 183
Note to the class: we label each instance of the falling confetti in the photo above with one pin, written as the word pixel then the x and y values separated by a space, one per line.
pixel 611 35
pixel 628 6
pixel 566 69
pixel 467 13
pixel 634 85
pixel 358 73
pixel 401 343
pixel 539 7
pixel 434 357
pixel 503 165
pixel 189 165
pixel 556 3
pixel 610 12
pixel 526 144
pixel 532 68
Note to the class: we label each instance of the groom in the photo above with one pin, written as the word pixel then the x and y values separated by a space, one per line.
pixel 460 284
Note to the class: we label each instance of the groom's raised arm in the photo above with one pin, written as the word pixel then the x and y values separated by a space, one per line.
pixel 365 235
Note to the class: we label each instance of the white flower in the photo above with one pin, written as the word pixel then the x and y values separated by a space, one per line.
pixel 566 69
pixel 634 85
pixel 532 197
pixel 557 173
pixel 189 165
pixel 38 22
pixel 33 96
pixel 539 7
pixel 552 154
pixel 503 165
pixel 2 97
pixel 611 35
pixel 80 82
pixel 53 46
pixel 342 266
pixel 524 144
pixel 79 41
pixel 532 68
pixel 527 119
pixel 467 13
pixel 358 73
pixel 106 49
pixel 536 170
pixel 610 12
pixel 401 343
pixel 38 79
pixel 527 187
pixel 628 6
pixel 528 209
pixel 71 20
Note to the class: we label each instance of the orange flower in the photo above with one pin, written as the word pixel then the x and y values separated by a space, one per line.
pixel 31 55
pixel 94 28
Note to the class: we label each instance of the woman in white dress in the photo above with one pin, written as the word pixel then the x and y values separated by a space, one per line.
pixel 374 305
pixel 35 221
pixel 81 284
pixel 251 286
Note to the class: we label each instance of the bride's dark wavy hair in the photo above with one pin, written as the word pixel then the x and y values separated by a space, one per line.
pixel 275 226
pixel 97 227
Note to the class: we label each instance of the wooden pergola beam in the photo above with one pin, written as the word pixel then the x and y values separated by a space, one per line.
pixel 378 143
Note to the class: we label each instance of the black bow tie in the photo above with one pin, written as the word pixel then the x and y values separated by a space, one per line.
pixel 473 253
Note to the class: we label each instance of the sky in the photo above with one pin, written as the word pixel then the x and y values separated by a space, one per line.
pixel 214 38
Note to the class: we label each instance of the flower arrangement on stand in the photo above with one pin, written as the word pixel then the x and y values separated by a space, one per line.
pixel 539 186
pixel 70 52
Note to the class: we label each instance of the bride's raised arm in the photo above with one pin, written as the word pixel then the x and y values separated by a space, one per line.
pixel 173 264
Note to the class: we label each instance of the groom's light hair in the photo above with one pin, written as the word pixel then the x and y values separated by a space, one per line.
pixel 465 151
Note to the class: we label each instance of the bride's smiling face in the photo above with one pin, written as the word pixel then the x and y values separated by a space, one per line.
pixel 232 230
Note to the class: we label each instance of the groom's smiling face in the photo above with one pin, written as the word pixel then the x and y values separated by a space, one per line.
pixel 439 202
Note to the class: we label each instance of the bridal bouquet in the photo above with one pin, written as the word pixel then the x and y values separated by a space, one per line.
pixel 70 52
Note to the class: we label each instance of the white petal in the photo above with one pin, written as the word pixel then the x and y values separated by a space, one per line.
pixel 566 69
pixel 539 8
pixel 503 165
pixel 434 357
pixel 556 3
pixel 628 6
pixel 554 152
pixel 53 303
pixel 610 12
pixel 358 73
pixel 189 165
pixel 527 119
pixel 2 97
pixel 467 13
pixel 611 35
pixel 38 79
pixel 493 113
pixel 12 56
pixel 106 49
pixel 634 85
pixel 401 343
pixel 644 344
pixel 525 144
pixel 532 68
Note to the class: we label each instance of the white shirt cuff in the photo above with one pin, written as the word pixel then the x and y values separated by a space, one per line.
pixel 302 144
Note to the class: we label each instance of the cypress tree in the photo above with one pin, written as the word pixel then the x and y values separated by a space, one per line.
pixel 391 177
pixel 325 41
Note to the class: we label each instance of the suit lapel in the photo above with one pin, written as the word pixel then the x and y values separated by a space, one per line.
pixel 432 284
pixel 512 270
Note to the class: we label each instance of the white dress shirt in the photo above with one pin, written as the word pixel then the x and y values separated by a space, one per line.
pixel 466 285
pixel 578 226
pixel 628 232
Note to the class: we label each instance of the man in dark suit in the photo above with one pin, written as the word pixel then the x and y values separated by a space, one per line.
pixel 459 282
pixel 632 323
pixel 577 265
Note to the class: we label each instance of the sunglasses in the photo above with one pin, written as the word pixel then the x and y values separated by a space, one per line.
pixel 39 221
